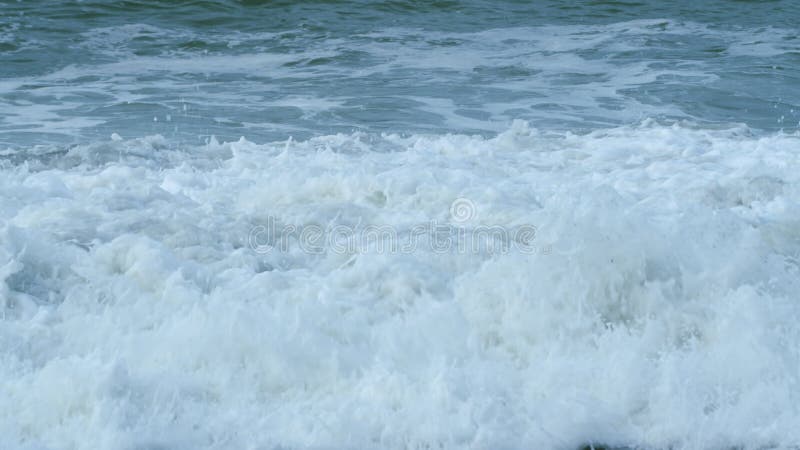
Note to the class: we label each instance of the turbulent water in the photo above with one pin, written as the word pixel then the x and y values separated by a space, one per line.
pixel 350 224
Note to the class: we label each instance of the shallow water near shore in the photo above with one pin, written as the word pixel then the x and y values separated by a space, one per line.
pixel 267 225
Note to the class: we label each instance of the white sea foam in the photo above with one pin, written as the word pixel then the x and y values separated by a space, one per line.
pixel 660 310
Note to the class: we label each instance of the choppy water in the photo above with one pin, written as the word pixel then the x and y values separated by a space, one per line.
pixel 189 195
pixel 77 71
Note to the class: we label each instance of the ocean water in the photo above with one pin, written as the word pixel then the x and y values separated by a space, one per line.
pixel 404 224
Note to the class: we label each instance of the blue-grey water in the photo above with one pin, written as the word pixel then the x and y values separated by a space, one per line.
pixel 72 71
pixel 403 224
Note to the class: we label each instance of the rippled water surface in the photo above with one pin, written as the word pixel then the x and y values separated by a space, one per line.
pixel 268 70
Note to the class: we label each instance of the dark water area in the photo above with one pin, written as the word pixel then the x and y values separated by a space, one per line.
pixel 77 71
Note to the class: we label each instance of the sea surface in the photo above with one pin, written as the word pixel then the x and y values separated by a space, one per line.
pixel 402 224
